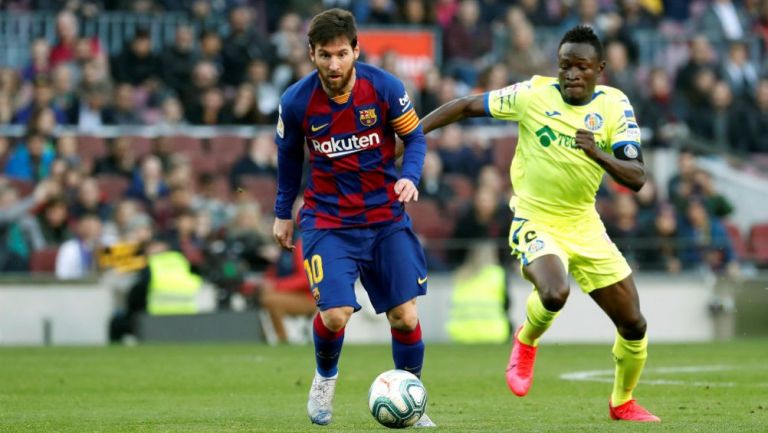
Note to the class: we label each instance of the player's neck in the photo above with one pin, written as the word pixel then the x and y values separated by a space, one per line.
pixel 347 89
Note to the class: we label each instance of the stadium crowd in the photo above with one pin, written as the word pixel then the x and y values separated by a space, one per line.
pixel 65 192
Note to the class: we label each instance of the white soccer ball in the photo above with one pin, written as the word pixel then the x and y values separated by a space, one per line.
pixel 397 399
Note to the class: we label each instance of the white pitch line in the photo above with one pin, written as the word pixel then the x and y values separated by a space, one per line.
pixel 606 376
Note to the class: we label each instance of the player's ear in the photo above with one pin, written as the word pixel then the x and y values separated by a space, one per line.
pixel 602 66
pixel 311 53
pixel 357 50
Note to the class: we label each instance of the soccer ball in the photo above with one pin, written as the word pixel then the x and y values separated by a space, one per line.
pixel 397 399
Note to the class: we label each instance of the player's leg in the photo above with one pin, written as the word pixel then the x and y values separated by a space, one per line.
pixel 395 276
pixel 544 264
pixel 621 303
pixel 332 273
pixel 281 304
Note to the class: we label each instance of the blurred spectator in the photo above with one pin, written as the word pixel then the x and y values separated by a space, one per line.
pixel 208 201
pixel 171 113
pixel 120 159
pixel 92 111
pixel 415 12
pixel 64 92
pixel 523 58
pixel 700 56
pixel 267 94
pixel 659 248
pixel 725 20
pixel 647 199
pixel 757 119
pixel 432 185
pixel 623 228
pixel 618 71
pixel 124 110
pixel 585 12
pixel 704 189
pixel 19 232
pixel 260 160
pixel 739 72
pixel 636 16
pixel 67 32
pixel 721 122
pixel 90 201
pixel 76 257
pixel 66 149
pixel 54 222
pixel 40 51
pixel 245 110
pixel 285 291
pixel 148 184
pixel 178 59
pixel 486 218
pixel 30 160
pixel 211 110
pixel 204 77
pixel 457 155
pixel 462 58
pixel 288 36
pixel 42 97
pixel 662 111
pixel 137 64
pixel 705 241
pixel 680 186
pixel 536 12
pixel 241 45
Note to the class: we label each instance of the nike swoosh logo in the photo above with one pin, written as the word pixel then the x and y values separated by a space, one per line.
pixel 552 113
pixel 422 280
pixel 318 127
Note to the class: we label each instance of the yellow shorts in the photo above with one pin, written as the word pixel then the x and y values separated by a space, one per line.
pixel 585 250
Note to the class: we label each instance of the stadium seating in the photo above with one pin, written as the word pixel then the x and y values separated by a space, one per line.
pixel 503 151
pixel 112 186
pixel 90 147
pixel 737 241
pixel 758 243
pixel 262 188
pixel 44 261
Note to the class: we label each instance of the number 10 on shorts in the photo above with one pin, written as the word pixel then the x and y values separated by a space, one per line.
pixel 314 269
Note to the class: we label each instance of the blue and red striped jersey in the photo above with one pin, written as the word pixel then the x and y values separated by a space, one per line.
pixel 351 145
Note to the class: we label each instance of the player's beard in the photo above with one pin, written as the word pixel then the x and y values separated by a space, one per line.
pixel 337 86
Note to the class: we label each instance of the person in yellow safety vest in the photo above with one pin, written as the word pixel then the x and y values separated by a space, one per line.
pixel 478 302
pixel 165 286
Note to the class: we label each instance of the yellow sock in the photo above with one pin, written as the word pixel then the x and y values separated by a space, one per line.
pixel 629 356
pixel 538 320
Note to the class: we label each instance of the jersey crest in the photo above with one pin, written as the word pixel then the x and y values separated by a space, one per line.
pixel 368 117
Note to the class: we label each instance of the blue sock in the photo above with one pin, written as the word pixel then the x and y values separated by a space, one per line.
pixel 408 350
pixel 327 348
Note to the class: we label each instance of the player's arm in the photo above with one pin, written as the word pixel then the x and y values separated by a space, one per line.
pixel 625 166
pixel 406 124
pixel 455 111
pixel 290 158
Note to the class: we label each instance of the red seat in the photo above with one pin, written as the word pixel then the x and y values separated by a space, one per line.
pixel 428 220
pixel 44 261
pixel 262 188
pixel 90 147
pixel 758 243
pixel 22 187
pixel 111 186
pixel 142 146
pixel 204 164
pixel 185 144
pixel 737 240
pixel 226 149
pixel 463 188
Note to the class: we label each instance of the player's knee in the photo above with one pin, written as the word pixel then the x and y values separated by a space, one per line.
pixel 634 328
pixel 335 319
pixel 404 319
pixel 553 297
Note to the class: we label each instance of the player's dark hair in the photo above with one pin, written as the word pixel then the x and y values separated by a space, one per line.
pixel 582 34
pixel 331 24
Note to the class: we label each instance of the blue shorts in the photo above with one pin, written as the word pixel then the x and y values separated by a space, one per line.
pixel 388 259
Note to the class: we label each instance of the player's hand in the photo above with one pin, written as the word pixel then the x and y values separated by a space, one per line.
pixel 406 191
pixel 586 142
pixel 283 233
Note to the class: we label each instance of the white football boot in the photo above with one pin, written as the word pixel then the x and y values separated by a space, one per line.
pixel 424 421
pixel 320 404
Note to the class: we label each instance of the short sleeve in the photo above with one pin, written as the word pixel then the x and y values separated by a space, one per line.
pixel 509 103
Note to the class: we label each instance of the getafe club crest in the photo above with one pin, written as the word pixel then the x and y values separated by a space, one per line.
pixel 593 121
pixel 368 117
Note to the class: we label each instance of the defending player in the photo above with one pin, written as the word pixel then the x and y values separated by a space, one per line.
pixel 571 131
pixel 353 221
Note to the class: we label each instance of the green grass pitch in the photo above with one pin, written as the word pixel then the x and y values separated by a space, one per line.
pixel 255 388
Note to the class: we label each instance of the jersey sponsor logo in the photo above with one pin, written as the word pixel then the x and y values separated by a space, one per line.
pixel 335 148
pixel 535 246
pixel 630 151
pixel 368 117
pixel 318 127
pixel 548 136
pixel 405 102
pixel 280 127
pixel 552 113
pixel 593 121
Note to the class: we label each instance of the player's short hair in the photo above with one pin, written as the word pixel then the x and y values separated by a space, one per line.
pixel 331 24
pixel 582 34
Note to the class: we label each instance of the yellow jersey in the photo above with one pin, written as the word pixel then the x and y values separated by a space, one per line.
pixel 553 179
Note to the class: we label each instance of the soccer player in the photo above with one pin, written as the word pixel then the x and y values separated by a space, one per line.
pixel 570 132
pixel 353 222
